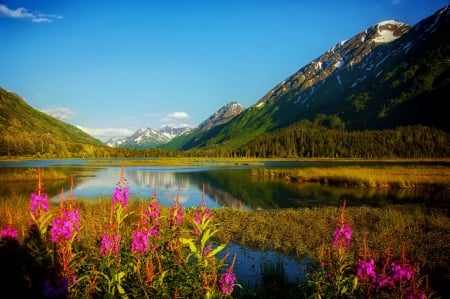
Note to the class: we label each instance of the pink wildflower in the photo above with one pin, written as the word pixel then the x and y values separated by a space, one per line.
pixel 109 245
pixel 342 237
pixel 120 196
pixel 366 269
pixel 139 243
pixel 175 214
pixel 401 273
pixel 38 204
pixel 226 282
pixel 9 232
pixel 65 227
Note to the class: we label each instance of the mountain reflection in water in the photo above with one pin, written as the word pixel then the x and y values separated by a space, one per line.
pixel 225 186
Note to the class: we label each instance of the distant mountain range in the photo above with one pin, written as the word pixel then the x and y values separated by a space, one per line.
pixel 148 137
pixel 390 75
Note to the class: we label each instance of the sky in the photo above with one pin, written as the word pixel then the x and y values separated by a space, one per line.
pixel 112 67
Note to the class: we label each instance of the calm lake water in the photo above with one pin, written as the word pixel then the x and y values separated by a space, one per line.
pixel 225 186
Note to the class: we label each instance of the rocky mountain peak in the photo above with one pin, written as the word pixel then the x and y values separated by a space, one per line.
pixel 344 54
pixel 223 115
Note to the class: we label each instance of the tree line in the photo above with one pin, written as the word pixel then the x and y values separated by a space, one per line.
pixel 302 140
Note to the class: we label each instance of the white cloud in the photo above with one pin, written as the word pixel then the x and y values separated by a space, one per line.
pixel 61 113
pixel 23 13
pixel 396 2
pixel 106 133
pixel 176 116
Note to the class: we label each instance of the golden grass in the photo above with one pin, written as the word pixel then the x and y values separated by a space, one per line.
pixel 366 176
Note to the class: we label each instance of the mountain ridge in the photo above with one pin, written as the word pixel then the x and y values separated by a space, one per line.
pixel 376 79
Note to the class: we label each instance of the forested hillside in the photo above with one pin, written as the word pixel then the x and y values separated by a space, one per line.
pixel 26 131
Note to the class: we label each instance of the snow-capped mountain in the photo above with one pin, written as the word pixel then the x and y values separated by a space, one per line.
pixel 345 55
pixel 148 137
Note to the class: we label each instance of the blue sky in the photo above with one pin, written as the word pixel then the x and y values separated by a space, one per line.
pixel 112 67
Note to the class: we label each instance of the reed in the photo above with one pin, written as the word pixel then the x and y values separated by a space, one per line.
pixel 362 176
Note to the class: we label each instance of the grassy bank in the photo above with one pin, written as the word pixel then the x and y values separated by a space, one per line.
pixel 365 176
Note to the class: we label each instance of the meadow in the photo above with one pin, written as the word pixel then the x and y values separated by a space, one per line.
pixel 123 247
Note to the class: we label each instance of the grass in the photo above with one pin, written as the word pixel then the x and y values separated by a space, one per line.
pixel 404 177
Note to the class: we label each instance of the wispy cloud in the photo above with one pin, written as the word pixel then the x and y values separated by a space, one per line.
pixel 105 133
pixel 23 13
pixel 61 113
pixel 396 2
pixel 176 116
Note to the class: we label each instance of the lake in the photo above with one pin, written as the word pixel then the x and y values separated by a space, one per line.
pixel 225 186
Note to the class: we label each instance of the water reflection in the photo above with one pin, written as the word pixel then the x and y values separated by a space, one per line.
pixel 231 187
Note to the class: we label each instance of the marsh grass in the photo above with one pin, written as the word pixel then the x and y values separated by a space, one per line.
pixel 363 176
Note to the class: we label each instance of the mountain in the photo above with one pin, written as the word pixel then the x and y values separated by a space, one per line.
pixel 207 128
pixel 222 116
pixel 148 137
pixel 391 74
pixel 27 131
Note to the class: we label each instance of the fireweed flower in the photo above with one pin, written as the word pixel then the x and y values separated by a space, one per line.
pixel 9 232
pixel 200 213
pixel 139 244
pixel 38 204
pixel 401 273
pixel 65 227
pixel 342 236
pixel 366 269
pixel 226 282
pixel 175 214
pixel 109 245
pixel 152 213
pixel 120 196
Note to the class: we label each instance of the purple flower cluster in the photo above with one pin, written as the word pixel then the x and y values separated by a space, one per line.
pixel 109 245
pixel 139 244
pixel 202 213
pixel 342 236
pixel 366 269
pixel 396 274
pixel 65 227
pixel 401 272
pixel 153 211
pixel 9 232
pixel 175 214
pixel 120 196
pixel 226 282
pixel 38 204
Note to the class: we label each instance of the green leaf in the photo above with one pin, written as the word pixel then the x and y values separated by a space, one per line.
pixel 190 243
pixel 216 250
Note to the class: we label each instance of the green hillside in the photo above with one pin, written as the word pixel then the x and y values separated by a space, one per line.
pixel 27 131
